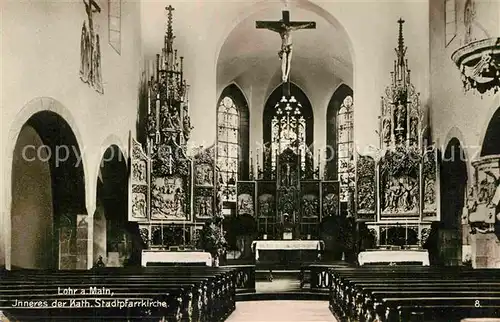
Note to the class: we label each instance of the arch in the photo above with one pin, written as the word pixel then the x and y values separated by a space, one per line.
pixel 264 5
pixel 44 129
pixel 111 221
pixel 453 183
pixel 333 108
pixel 238 87
pixel 491 140
pixel 468 151
pixel 29 109
pixel 236 94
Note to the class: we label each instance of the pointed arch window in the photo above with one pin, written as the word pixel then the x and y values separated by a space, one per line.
pixel 232 141
pixel 228 144
pixel 288 130
pixel 340 143
pixel 287 122
pixel 345 148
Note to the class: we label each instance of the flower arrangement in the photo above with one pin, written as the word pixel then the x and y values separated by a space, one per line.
pixel 212 237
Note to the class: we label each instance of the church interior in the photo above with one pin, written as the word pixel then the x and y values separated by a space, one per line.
pixel 204 160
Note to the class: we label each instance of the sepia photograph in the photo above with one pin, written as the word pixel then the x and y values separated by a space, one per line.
pixel 250 160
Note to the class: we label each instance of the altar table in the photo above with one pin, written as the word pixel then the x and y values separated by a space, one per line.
pixel 259 245
pixel 164 256
pixel 394 256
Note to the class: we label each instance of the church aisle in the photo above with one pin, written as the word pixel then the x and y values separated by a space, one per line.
pixel 281 311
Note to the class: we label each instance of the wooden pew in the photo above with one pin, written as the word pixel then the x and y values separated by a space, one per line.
pixel 215 288
pixel 402 294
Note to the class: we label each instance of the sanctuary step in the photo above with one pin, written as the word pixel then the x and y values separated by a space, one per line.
pixel 281 311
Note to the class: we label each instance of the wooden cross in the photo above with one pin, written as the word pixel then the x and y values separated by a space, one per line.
pixel 284 27
pixel 170 9
pixel 277 26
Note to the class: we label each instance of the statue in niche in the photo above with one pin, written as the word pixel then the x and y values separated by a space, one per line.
pixel 175 118
pixel 400 116
pixel 179 200
pixel 219 201
pixel 200 175
pixel 187 127
pixel 414 129
pixel 208 206
pixel 151 125
pixel 386 130
pixel 167 119
pixel 207 179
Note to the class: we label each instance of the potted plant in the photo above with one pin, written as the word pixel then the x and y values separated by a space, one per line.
pixel 212 239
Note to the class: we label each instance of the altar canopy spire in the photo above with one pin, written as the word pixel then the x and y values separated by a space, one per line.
pixel 285 27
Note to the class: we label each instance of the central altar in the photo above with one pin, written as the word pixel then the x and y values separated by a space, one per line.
pixel 314 246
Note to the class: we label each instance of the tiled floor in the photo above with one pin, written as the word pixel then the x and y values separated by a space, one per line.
pixel 282 311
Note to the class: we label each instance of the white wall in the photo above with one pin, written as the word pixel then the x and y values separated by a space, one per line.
pixel 32 209
pixel 456 113
pixel 41 58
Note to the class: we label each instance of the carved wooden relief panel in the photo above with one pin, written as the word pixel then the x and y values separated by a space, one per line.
pixel 366 185
pixel 246 198
pixel 330 197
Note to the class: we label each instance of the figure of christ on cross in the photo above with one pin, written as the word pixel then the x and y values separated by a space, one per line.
pixel 284 27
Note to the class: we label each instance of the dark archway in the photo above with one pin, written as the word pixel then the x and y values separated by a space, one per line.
pixel 115 239
pixel 241 231
pixel 453 181
pixel 48 196
pixel 331 170
pixel 491 143
pixel 269 111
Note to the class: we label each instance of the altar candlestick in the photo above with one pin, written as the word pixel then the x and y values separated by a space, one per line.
pixel 386 234
pixel 157 76
pixel 319 160
pixel 157 112
pixel 406 231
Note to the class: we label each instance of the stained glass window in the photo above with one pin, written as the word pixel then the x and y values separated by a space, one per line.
pixel 288 129
pixel 228 147
pixel 345 148
pixel 115 24
pixel 450 20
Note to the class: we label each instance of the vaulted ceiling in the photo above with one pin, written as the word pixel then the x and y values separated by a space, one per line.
pixel 250 55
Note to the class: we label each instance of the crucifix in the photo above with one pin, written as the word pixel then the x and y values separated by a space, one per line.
pixel 90 7
pixel 284 27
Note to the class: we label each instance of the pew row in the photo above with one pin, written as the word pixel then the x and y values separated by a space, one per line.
pixel 409 293
pixel 190 293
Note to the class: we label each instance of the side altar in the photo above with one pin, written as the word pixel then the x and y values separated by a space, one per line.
pixel 397 185
pixel 164 198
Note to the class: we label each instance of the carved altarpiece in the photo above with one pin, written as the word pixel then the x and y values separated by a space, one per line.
pixel 404 173
pixel 161 179
pixel 245 200
pixel 204 192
